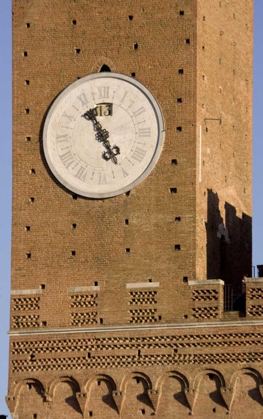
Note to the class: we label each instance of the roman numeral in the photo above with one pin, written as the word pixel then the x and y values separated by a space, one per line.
pixel 138 154
pixel 104 92
pixel 83 99
pixel 144 132
pixel 68 116
pixel 102 179
pixel 139 111
pixel 81 174
pixel 67 159
pixel 125 174
pixel 123 97
pixel 62 138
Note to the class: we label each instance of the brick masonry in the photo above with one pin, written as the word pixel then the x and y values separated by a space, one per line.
pixel 106 332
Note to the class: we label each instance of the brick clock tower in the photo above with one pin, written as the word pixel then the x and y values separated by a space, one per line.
pixel 131 254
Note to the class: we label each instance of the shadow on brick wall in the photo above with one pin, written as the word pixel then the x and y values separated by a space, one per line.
pixel 229 248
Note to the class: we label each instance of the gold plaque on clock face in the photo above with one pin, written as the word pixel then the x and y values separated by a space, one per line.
pixel 103 135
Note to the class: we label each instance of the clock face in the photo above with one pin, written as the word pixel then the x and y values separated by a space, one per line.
pixel 103 135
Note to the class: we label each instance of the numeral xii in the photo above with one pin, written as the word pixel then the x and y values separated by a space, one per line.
pixel 104 92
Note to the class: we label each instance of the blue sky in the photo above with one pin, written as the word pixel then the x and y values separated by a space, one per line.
pixel 6 176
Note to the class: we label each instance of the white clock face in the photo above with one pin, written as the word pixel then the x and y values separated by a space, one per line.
pixel 113 151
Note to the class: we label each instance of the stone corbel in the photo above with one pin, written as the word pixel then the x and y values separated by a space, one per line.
pixel 82 399
pixel 47 398
pixel 11 403
pixel 154 397
pixel 227 394
pixel 118 397
pixel 190 395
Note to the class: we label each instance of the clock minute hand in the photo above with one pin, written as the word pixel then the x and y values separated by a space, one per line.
pixel 111 153
pixel 102 136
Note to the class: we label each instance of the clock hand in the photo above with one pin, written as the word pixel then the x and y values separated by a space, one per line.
pixel 102 136
pixel 111 153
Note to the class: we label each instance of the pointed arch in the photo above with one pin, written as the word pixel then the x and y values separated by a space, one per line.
pixel 134 375
pixel 14 401
pixel 172 374
pixel 64 379
pixel 101 390
pixel 99 377
pixel 103 61
pixel 208 371
pixel 105 68
pixel 173 389
pixel 30 382
pixel 246 386
pixel 249 371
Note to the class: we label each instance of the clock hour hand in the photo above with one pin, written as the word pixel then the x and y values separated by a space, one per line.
pixel 102 136
pixel 91 114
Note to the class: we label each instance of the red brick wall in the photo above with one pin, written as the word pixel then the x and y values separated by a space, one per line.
pixel 101 237
pixel 55 370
